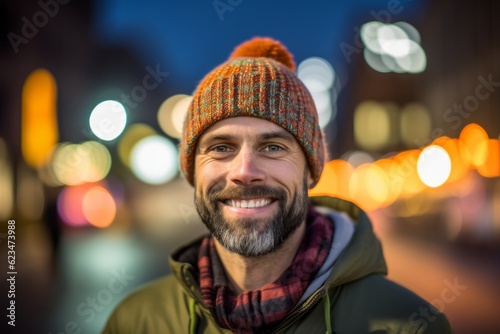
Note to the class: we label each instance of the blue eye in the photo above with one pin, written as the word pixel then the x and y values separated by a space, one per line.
pixel 221 149
pixel 273 148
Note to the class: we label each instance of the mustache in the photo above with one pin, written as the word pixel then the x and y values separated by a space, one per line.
pixel 259 191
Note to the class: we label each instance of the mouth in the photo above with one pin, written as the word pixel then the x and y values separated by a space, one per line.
pixel 249 203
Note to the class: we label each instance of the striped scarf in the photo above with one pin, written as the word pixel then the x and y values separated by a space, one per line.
pixel 260 311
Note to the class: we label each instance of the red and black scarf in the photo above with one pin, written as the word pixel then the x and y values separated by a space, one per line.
pixel 261 310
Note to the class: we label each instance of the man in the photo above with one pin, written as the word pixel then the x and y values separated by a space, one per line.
pixel 274 262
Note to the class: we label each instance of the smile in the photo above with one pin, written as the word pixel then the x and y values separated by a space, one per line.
pixel 248 203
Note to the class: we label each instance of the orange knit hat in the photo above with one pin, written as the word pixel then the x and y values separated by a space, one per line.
pixel 258 80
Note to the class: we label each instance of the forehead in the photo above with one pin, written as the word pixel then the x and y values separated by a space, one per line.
pixel 242 127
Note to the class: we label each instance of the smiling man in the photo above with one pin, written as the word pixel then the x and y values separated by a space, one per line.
pixel 275 261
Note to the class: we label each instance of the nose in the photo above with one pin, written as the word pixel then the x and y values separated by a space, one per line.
pixel 246 168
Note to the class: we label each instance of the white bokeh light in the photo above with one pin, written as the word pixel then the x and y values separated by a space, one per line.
pixel 434 166
pixel 369 36
pixel 154 160
pixel 318 76
pixel 393 47
pixel 415 61
pixel 410 30
pixel 374 60
pixel 108 119
pixel 393 40
pixel 316 69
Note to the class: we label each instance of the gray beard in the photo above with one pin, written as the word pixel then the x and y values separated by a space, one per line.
pixel 251 236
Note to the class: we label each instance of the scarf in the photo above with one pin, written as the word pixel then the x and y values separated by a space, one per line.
pixel 260 311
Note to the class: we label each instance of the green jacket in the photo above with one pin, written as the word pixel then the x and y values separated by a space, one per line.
pixel 356 297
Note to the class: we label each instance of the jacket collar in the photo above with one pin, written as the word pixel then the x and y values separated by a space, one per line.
pixel 361 257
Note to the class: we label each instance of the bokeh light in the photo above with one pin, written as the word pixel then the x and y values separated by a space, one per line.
pixel 154 160
pixel 316 71
pixel 415 124
pixel 108 119
pixel 459 168
pixel 39 131
pixel 69 205
pixel 368 186
pixel 404 173
pixel 434 166
pixel 393 188
pixel 372 125
pixel 410 30
pixel 473 144
pixel 99 207
pixel 75 164
pixel 357 158
pixel 393 41
pixel 334 180
pixel 491 166
pixel 318 76
pixel 393 47
pixel 172 113
pixel 415 61
pixel 132 135
pixel 369 36
pixel 375 61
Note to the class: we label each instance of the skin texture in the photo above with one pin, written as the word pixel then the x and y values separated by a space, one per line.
pixel 251 158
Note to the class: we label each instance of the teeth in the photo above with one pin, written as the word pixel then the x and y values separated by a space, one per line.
pixel 251 203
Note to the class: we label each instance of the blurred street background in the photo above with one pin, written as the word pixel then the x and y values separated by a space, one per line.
pixel 92 99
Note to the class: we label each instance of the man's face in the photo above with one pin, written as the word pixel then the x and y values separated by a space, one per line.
pixel 251 181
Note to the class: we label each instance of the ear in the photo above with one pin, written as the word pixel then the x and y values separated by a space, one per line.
pixel 310 180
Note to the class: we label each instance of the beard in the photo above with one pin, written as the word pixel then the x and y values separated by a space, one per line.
pixel 252 236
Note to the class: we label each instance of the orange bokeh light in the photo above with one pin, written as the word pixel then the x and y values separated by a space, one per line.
pixel 368 186
pixel 393 188
pixel 491 167
pixel 99 207
pixel 39 131
pixel 404 172
pixel 473 145
pixel 459 168
pixel 335 180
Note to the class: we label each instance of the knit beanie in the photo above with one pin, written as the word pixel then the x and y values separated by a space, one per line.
pixel 258 80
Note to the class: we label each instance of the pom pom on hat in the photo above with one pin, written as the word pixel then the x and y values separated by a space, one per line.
pixel 264 47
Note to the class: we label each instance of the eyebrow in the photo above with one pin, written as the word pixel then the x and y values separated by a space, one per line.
pixel 263 136
pixel 277 134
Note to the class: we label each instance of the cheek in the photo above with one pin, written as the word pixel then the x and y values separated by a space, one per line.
pixel 206 176
pixel 290 175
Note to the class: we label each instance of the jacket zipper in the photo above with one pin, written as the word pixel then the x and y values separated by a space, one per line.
pixel 292 316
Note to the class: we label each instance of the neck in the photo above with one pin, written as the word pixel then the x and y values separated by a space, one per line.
pixel 252 273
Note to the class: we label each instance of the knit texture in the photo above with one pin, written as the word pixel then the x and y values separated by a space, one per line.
pixel 255 86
